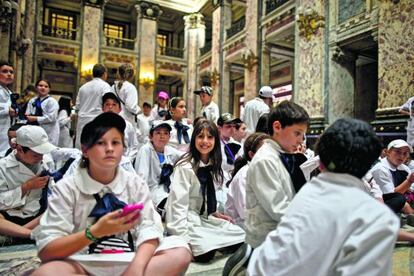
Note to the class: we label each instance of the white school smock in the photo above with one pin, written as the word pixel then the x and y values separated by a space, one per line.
pixel 409 106
pixel 5 104
pixel 89 103
pixel 154 113
pixel 65 141
pixel 143 123
pixel 210 112
pixel 131 141
pixel 252 112
pixel 129 96
pixel 269 191
pixel 227 168
pixel 183 147
pixel 125 164
pixel 183 215
pixel 147 165
pixel 331 227
pixel 236 196
pixel 72 201
pixel 383 177
pixel 13 174
pixel 49 120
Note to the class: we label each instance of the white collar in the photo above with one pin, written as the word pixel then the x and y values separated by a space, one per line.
pixel 90 186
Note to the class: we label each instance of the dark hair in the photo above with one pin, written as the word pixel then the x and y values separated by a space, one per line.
pixel 262 124
pixel 251 143
pixel 197 119
pixel 349 146
pixel 29 88
pixel 146 104
pixel 94 130
pixel 46 81
pixel 64 104
pixel 110 95
pixel 5 63
pixel 98 70
pixel 193 155
pixel 173 104
pixel 15 127
pixel 287 113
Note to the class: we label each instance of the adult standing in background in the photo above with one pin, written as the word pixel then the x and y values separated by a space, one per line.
pixel 209 109
pixel 43 111
pixel 257 107
pixel 88 101
pixel 143 123
pixel 6 112
pixel 408 109
pixel 127 93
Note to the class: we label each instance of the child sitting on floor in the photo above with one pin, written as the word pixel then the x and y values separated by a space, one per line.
pixel 85 215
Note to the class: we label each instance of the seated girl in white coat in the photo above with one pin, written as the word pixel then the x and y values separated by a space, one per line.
pixel 332 226
pixel 85 215
pixel 155 161
pixel 181 130
pixel 236 195
pixel 191 208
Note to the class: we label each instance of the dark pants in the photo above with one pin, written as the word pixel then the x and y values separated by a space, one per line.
pixel 395 201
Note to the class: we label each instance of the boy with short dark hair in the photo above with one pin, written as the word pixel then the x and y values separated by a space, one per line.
pixel 209 108
pixel 269 186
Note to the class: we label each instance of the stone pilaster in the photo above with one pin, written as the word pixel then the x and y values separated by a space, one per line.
pixel 309 58
pixel 92 20
pixel 251 73
pixel 395 54
pixel 265 68
pixel 226 99
pixel 194 40
pixel 29 31
pixel 148 14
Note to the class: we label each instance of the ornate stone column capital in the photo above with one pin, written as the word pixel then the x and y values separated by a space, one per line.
pixel 194 21
pixel 309 22
pixel 148 10
pixel 342 56
pixel 95 3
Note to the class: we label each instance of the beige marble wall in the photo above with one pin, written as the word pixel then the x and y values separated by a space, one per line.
pixel 395 53
pixel 309 64
pixel 90 38
pixel 29 27
pixel 215 49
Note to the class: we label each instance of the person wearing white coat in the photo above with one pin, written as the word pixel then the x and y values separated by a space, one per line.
pixel 332 226
pixel 181 129
pixel 127 93
pixel 144 126
pixel 64 119
pixel 43 111
pixel 6 79
pixel 408 109
pixel 257 107
pixel 20 183
pixel 209 108
pixel 88 102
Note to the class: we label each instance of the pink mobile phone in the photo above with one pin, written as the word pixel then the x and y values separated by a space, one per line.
pixel 131 207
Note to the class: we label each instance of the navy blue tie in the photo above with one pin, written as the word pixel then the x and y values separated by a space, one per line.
pixel 182 132
pixel 166 171
pixel 106 204
pixel 208 190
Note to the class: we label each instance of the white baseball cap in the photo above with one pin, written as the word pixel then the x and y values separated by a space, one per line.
pixel 399 143
pixel 34 138
pixel 266 92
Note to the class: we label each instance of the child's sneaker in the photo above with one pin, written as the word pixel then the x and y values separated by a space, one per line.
pixel 238 261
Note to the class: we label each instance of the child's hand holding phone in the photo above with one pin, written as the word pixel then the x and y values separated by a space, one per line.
pixel 131 208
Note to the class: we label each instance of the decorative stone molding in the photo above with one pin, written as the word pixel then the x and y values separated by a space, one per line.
pixel 309 23
pixel 249 59
pixel 95 3
pixel 148 10
pixel 194 21
pixel 342 56
pixel 392 1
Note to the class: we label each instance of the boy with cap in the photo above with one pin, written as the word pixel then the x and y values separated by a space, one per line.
pixel 111 103
pixel 394 177
pixel 21 182
pixel 209 109
pixel 269 185
pixel 155 162
pixel 257 107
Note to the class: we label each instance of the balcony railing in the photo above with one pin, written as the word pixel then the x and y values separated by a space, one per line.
pixel 206 48
pixel 271 5
pixel 118 42
pixel 59 32
pixel 171 52
pixel 236 27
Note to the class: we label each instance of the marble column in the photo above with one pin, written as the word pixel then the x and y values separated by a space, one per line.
pixel 226 98
pixel 265 65
pixel 147 30
pixel 251 73
pixel 92 20
pixel 395 54
pixel 309 59
pixel 29 31
pixel 194 38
